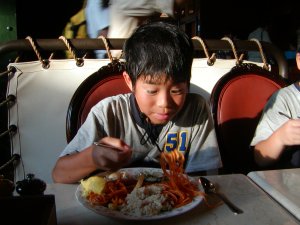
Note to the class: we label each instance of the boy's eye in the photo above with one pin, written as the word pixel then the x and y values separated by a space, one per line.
pixel 176 91
pixel 151 92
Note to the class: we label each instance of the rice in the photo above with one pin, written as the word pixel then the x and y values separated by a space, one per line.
pixel 146 201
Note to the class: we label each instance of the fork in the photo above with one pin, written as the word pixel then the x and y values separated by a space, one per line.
pixel 210 188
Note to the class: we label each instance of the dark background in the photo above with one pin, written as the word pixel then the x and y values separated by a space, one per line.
pixel 46 19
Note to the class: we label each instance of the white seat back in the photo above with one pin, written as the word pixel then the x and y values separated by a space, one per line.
pixel 43 97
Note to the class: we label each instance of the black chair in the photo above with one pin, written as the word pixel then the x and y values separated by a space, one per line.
pixel 237 101
pixel 107 81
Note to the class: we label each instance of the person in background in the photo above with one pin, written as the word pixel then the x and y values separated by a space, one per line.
pixel 277 137
pixel 97 21
pixel 158 115
pixel 126 16
pixel 261 33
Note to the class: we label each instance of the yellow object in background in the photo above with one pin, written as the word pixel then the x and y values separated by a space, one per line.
pixel 76 27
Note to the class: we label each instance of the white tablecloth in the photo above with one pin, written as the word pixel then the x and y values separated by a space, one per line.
pixel 282 185
pixel 258 207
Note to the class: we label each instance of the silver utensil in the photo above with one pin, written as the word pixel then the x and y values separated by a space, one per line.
pixel 116 149
pixel 283 114
pixel 210 188
pixel 106 146
pixel 287 116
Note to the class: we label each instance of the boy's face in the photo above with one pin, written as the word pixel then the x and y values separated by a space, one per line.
pixel 160 100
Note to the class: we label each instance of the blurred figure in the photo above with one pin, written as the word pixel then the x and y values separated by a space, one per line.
pixel 261 33
pixel 97 21
pixel 126 16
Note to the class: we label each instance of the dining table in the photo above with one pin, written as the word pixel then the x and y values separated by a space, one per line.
pixel 283 185
pixel 257 206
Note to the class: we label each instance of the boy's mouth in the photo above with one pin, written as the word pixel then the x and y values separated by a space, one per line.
pixel 162 116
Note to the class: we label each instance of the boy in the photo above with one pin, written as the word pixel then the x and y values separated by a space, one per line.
pixel 277 136
pixel 159 114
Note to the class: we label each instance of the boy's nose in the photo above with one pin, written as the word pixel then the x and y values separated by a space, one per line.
pixel 164 100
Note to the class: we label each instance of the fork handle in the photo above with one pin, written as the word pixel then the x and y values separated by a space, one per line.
pixel 233 207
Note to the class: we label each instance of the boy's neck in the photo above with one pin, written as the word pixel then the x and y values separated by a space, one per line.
pixel 141 119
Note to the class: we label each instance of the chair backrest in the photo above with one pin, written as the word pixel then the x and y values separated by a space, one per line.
pixel 107 81
pixel 237 101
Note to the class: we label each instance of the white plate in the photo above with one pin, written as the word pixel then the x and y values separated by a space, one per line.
pixel 104 211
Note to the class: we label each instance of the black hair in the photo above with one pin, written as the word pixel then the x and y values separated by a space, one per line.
pixel 159 48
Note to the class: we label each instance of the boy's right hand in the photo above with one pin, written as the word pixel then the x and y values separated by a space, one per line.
pixel 290 132
pixel 111 154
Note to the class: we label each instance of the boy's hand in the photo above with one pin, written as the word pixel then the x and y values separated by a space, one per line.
pixel 290 132
pixel 111 154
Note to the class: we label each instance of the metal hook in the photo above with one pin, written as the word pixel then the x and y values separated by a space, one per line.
pixel 238 59
pixel 263 57
pixel 79 61
pixel 45 62
pixel 106 47
pixel 210 59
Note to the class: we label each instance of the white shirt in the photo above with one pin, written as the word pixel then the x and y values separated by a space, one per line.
pixel 126 15
pixel 191 131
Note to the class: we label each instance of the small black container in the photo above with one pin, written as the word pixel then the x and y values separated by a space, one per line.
pixel 31 186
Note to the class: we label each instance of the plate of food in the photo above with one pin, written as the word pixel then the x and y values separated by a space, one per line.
pixel 140 194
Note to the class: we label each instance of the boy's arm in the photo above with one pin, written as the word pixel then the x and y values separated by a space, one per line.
pixel 111 154
pixel 270 149
pixel 72 168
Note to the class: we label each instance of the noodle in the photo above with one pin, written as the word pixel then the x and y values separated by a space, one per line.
pixel 176 187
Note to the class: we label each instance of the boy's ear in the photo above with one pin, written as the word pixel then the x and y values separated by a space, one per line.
pixel 127 80
pixel 298 60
